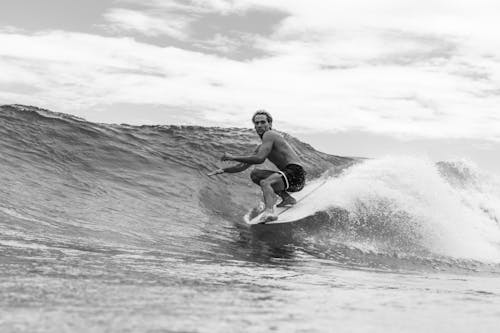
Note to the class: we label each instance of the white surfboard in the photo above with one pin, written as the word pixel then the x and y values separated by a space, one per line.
pixel 290 213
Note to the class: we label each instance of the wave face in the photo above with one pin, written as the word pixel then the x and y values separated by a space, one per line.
pixel 70 185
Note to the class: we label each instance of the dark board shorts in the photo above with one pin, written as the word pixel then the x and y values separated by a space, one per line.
pixel 294 177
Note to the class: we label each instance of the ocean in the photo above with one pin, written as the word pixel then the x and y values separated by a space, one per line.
pixel 117 228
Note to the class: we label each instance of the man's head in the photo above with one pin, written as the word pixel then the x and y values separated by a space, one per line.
pixel 262 121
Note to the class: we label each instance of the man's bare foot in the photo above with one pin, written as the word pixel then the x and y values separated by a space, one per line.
pixel 257 210
pixel 267 217
pixel 287 201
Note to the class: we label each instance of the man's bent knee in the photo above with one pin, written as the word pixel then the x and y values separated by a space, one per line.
pixel 254 175
pixel 273 181
pixel 258 175
pixel 264 182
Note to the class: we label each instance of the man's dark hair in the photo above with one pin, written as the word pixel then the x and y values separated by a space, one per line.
pixel 265 113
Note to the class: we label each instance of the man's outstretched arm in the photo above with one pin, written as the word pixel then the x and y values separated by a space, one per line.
pixel 232 169
pixel 260 154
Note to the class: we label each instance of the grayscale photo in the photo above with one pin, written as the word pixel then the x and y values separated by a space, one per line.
pixel 201 166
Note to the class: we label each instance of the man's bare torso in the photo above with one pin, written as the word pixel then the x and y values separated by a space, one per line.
pixel 281 153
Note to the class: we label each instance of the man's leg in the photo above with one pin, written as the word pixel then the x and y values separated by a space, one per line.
pixel 269 185
pixel 286 199
pixel 258 175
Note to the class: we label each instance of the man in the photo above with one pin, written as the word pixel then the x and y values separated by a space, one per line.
pixel 290 178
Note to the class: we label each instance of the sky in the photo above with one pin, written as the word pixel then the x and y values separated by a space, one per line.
pixel 350 77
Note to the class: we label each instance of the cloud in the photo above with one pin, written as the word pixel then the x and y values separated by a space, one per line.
pixel 219 27
pixel 132 20
pixel 382 67
pixel 156 18
pixel 10 29
pixel 202 6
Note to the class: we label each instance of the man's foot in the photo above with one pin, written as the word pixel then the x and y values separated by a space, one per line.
pixel 287 201
pixel 267 217
pixel 257 210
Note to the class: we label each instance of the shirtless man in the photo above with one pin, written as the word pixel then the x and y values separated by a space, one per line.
pixel 290 178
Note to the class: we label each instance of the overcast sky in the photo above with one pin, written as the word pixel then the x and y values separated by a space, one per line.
pixel 363 78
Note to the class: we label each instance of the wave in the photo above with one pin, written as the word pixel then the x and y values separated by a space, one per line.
pixel 69 185
pixel 118 185
pixel 409 206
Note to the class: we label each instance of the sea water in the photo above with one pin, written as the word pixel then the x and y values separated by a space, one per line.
pixel 116 228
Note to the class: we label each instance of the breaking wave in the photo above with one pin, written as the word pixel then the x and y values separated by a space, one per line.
pixel 70 185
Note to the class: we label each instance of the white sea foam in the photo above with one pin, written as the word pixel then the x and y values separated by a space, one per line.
pixel 450 209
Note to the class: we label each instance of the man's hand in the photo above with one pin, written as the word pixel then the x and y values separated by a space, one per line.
pixel 226 157
pixel 216 172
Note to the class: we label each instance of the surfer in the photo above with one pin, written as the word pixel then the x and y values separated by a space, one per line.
pixel 289 178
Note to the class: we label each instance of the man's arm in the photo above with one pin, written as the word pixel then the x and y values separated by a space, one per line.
pixel 232 169
pixel 259 156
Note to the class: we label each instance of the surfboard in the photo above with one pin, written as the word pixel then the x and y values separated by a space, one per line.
pixel 290 213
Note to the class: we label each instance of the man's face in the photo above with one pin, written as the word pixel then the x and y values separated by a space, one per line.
pixel 261 124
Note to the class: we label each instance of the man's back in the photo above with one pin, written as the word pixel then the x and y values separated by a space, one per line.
pixel 282 154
